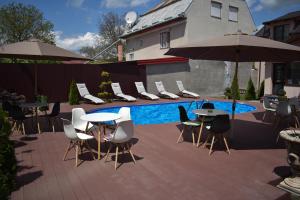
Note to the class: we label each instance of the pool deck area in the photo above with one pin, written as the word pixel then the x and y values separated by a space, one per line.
pixel 163 169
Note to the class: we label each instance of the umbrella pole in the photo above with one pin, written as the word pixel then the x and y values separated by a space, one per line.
pixel 35 81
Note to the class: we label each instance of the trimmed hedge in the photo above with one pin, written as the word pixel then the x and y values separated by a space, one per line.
pixel 8 163
pixel 250 92
pixel 235 92
pixel 104 85
pixel 73 94
pixel 261 90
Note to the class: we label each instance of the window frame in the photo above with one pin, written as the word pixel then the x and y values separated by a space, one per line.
pixel 168 42
pixel 237 14
pixel 283 26
pixel 211 6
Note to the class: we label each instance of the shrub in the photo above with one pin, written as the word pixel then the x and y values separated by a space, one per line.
pixel 104 85
pixel 227 93
pixel 235 93
pixel 8 163
pixel 261 90
pixel 73 94
pixel 250 92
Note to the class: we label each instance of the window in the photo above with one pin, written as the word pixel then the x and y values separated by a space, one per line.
pixel 165 40
pixel 281 33
pixel 215 10
pixel 233 14
pixel 131 56
pixel 293 74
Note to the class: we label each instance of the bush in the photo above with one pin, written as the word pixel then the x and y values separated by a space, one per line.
pixel 261 90
pixel 73 94
pixel 235 92
pixel 8 163
pixel 227 93
pixel 104 85
pixel 250 92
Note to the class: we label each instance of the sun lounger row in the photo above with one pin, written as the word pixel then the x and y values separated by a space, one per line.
pixel 116 88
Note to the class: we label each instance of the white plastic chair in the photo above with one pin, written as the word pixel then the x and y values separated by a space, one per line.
pixel 125 114
pixel 142 91
pixel 121 138
pixel 163 93
pixel 267 106
pixel 78 123
pixel 184 92
pixel 118 93
pixel 77 140
pixel 83 91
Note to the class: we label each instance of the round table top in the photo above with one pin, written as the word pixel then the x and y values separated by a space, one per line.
pixel 33 104
pixel 100 117
pixel 209 112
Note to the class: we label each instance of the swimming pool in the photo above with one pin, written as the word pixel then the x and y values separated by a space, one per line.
pixel 163 113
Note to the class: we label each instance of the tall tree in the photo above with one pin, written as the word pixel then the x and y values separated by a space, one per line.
pixel 19 22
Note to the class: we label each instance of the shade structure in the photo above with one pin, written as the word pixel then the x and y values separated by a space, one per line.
pixel 37 50
pixel 238 47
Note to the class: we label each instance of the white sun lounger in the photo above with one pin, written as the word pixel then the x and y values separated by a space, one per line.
pixel 163 93
pixel 118 92
pixel 83 91
pixel 141 90
pixel 184 92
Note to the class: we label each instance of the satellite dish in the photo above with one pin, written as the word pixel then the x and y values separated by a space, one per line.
pixel 131 18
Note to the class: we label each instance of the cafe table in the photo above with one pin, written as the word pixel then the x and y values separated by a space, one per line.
pixel 99 119
pixel 34 106
pixel 206 113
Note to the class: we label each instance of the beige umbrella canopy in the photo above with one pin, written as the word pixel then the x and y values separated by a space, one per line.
pixel 238 47
pixel 37 50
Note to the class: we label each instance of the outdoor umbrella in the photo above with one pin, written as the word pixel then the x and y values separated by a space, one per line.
pixel 238 47
pixel 37 50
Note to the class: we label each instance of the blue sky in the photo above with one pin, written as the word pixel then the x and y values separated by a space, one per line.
pixel 76 21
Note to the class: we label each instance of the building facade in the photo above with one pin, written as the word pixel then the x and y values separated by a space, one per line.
pixel 175 22
pixel 282 76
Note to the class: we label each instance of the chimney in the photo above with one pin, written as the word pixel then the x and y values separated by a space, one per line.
pixel 120 53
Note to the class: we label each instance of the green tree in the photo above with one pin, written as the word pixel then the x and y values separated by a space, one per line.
pixel 73 94
pixel 235 90
pixel 250 92
pixel 104 85
pixel 20 22
pixel 8 163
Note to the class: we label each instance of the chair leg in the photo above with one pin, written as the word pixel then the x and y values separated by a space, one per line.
pixel 129 150
pixel 76 162
pixel 180 136
pixel 193 136
pixel 53 123
pixel 200 133
pixel 225 142
pixel 265 113
pixel 39 128
pixel 211 145
pixel 23 128
pixel 67 151
pixel 116 161
pixel 107 154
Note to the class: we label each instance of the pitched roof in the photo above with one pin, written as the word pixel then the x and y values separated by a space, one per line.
pixel 288 16
pixel 162 13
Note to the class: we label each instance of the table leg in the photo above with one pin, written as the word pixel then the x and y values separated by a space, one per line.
pixel 99 142
pixel 36 120
pixel 200 131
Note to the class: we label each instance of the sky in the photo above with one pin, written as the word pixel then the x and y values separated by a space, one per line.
pixel 76 22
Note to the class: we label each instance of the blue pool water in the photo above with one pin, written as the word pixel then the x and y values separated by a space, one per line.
pixel 168 112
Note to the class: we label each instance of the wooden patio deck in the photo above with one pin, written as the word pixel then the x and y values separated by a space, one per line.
pixel 164 169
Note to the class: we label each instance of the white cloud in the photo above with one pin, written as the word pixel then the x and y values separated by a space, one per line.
pixel 251 2
pixel 258 5
pixel 123 3
pixel 76 42
pixel 75 3
pixel 258 8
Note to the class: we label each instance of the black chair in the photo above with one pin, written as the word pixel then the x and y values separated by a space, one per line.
pixel 18 118
pixel 218 127
pixel 186 122
pixel 52 117
pixel 208 105
pixel 6 106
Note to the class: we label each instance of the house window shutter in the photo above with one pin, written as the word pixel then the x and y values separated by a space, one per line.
pixel 165 40
pixel 233 13
pixel 215 10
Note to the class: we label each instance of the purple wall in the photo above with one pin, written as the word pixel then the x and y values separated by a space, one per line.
pixel 54 79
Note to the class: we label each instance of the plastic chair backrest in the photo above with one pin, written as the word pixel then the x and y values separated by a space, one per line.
pixel 16 113
pixel 55 109
pixel 125 114
pixel 180 85
pixel 140 87
pixel 124 132
pixel 208 105
pixel 295 102
pixel 283 108
pixel 69 129
pixel 82 89
pixel 116 88
pixel 220 124
pixel 6 106
pixel 160 87
pixel 182 114
pixel 76 114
